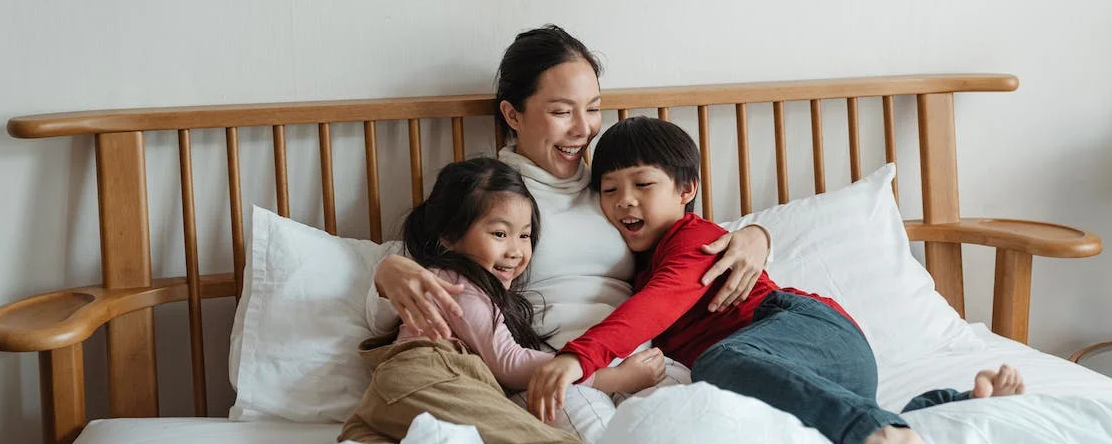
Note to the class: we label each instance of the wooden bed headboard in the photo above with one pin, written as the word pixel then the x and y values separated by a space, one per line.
pixel 56 324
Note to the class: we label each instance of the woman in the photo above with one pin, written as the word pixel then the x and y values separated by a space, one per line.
pixel 548 98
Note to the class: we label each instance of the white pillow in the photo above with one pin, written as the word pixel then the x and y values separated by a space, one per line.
pixel 304 310
pixel 851 245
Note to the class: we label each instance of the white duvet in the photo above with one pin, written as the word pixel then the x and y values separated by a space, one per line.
pixel 704 414
pixel 701 413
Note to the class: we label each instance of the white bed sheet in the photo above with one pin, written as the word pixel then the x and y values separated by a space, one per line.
pixel 952 367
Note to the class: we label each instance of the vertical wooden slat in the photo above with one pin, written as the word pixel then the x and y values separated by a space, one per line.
pixel 374 203
pixel 125 248
pixel 704 156
pixel 938 162
pixel 193 277
pixel 781 152
pixel 816 146
pixel 62 388
pixel 126 263
pixel 281 182
pixel 662 113
pixel 623 114
pixel 457 139
pixel 854 140
pixel 126 336
pixel 415 169
pixel 328 193
pixel 1011 296
pixel 234 193
pixel 743 158
pixel 890 141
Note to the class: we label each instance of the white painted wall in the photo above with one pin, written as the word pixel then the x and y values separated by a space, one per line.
pixel 1039 153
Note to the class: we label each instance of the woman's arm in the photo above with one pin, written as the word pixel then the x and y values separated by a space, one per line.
pixel 745 253
pixel 412 290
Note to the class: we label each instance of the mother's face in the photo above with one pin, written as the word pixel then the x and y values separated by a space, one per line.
pixel 559 119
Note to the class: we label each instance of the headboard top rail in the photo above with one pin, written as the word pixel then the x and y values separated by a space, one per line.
pixel 218 116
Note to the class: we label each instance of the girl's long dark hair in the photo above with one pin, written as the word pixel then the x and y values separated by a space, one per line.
pixel 463 193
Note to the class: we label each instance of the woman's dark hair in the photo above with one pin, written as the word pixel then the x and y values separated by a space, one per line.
pixel 463 193
pixel 531 54
pixel 644 141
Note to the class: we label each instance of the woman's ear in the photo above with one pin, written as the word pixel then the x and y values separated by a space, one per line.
pixel 513 118
pixel 687 193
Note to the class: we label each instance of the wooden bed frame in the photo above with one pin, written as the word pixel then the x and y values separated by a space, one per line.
pixel 56 324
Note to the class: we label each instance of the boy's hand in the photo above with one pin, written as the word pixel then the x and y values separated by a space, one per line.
pixel 746 251
pixel 549 382
pixel 642 370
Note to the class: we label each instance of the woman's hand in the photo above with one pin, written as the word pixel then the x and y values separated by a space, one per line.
pixel 549 382
pixel 412 291
pixel 746 251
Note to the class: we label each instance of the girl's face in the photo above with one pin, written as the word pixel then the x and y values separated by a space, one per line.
pixel 559 119
pixel 500 240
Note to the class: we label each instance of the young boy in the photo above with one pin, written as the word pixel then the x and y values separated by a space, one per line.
pixel 797 351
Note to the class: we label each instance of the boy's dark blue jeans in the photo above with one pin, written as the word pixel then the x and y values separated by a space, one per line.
pixel 803 357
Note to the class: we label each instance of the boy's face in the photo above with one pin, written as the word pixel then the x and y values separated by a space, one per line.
pixel 643 202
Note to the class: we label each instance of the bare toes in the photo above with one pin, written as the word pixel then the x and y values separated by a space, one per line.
pixel 984 383
pixel 1007 381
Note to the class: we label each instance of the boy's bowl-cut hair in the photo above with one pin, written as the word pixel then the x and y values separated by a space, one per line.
pixel 645 141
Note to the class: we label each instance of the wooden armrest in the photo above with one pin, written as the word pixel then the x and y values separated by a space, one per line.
pixel 1015 241
pixel 1035 238
pixel 1090 350
pixel 63 318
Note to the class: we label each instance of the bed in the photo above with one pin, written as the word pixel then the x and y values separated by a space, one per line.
pixel 56 324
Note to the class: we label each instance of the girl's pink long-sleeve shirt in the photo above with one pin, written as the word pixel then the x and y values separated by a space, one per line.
pixel 512 364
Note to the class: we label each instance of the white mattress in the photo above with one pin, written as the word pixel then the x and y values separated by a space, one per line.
pixel 950 368
pixel 204 430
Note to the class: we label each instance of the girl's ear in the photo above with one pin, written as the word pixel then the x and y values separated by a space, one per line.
pixel 513 118
pixel 687 193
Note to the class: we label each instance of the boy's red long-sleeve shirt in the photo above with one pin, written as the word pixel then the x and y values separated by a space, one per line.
pixel 670 304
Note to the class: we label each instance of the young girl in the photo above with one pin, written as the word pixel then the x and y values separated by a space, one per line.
pixel 477 229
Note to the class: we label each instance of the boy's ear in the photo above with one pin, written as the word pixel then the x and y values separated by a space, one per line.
pixel 687 193
pixel 513 118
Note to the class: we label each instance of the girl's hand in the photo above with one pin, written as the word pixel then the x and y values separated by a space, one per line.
pixel 746 251
pixel 642 370
pixel 549 382
pixel 412 290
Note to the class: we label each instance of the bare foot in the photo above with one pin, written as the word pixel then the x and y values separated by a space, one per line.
pixel 1004 382
pixel 894 435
